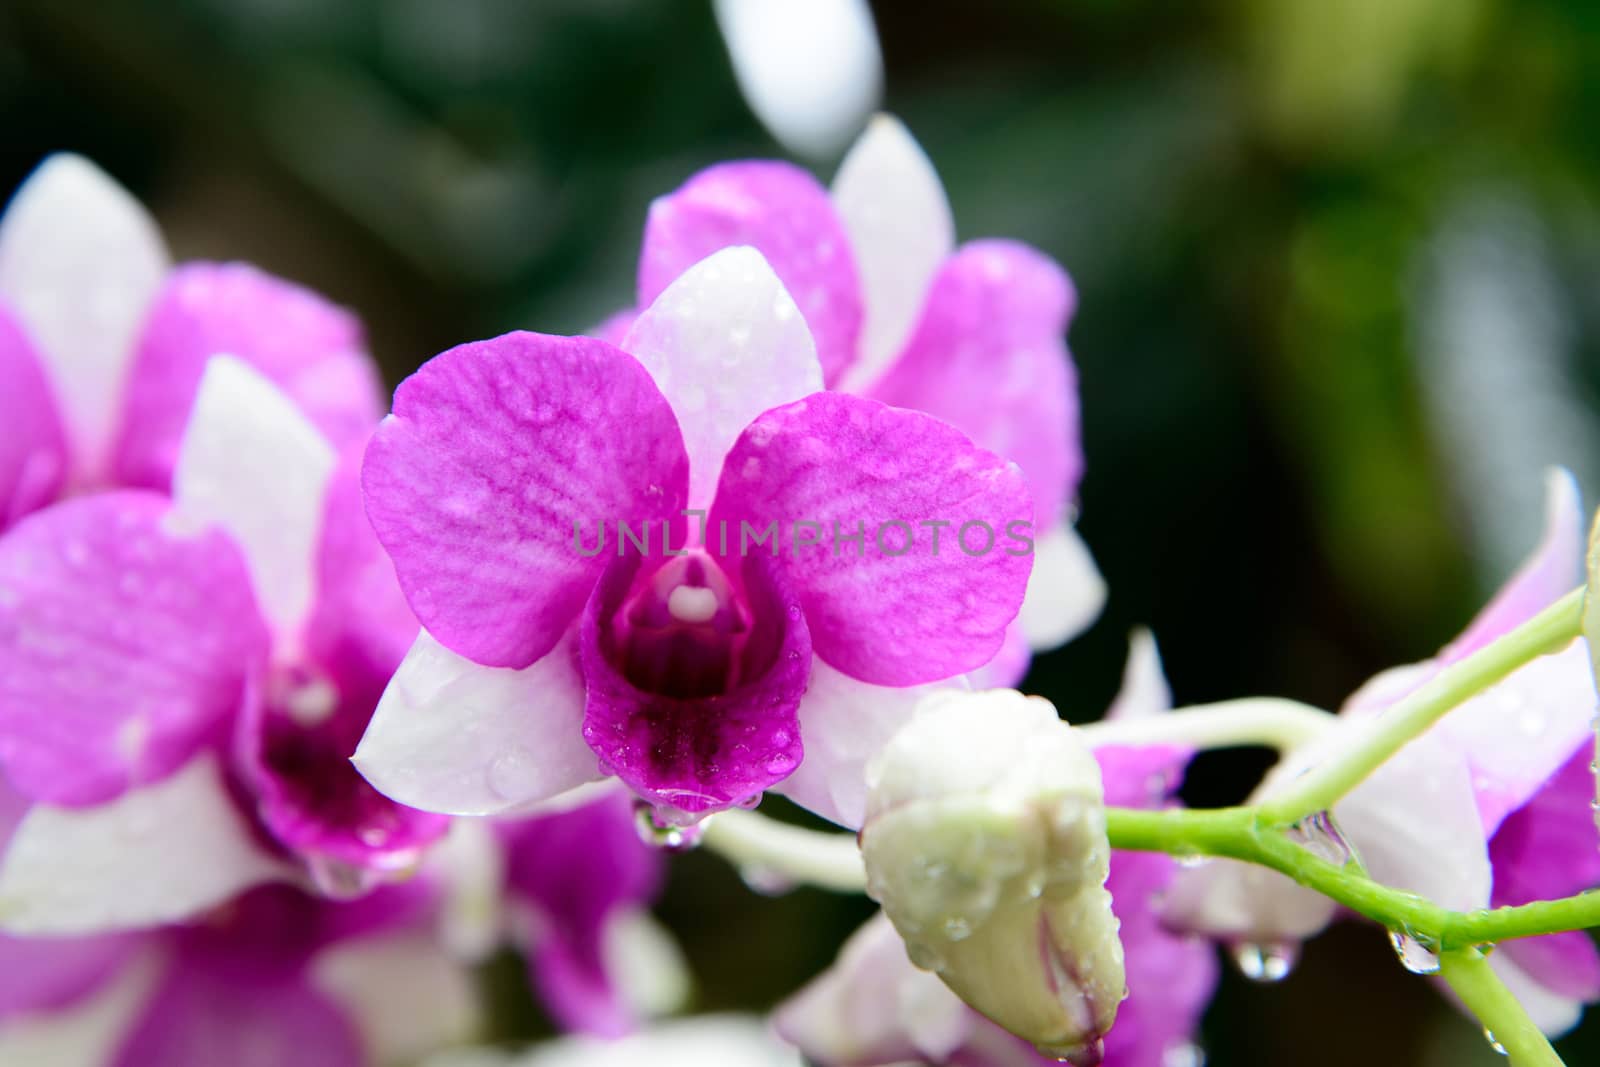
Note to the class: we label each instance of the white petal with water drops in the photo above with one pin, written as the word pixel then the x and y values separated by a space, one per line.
pixel 80 262
pixel 452 736
pixel 724 343
pixel 252 463
pixel 154 855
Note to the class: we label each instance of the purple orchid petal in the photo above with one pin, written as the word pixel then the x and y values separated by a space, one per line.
pixel 33 448
pixel 988 357
pixel 209 1010
pixel 1009 666
pixel 306 346
pixel 71 229
pixel 457 737
pixel 901 608
pixel 782 212
pixel 39 974
pixel 1545 850
pixel 360 627
pixel 124 641
pixel 692 747
pixel 1568 965
pixel 844 723
pixel 1554 569
pixel 1516 735
pixel 576 871
pixel 614 327
pixel 242 988
pixel 894 209
pixel 497 454
pixel 1170 976
pixel 723 343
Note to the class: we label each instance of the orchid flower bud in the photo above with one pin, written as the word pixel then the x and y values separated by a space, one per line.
pixel 985 842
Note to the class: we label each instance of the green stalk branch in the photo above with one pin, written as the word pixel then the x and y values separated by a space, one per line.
pixel 1322 786
pixel 1503 1017
pixel 1242 834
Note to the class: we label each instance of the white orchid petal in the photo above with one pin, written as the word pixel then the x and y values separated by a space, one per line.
pixel 252 463
pixel 900 228
pixel 1065 591
pixel 80 263
pixel 811 70
pixel 453 736
pixel 404 995
pixel 154 855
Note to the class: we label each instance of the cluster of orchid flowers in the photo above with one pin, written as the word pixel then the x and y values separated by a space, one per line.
pixel 305 710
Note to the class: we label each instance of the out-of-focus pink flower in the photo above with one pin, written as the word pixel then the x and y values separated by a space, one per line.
pixel 102 342
pixel 273 976
pixel 973 335
pixel 682 668
pixel 578 883
pixel 1491 806
pixel 183 680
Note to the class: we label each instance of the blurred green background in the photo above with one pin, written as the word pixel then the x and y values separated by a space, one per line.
pixel 1338 265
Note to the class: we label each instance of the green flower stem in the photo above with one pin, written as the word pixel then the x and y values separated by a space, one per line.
pixel 1272 721
pixel 1243 834
pixel 754 842
pixel 1503 1017
pixel 1322 786
pixel 831 861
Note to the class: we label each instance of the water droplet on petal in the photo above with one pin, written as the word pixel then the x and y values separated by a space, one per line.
pixel 663 835
pixel 1319 835
pixel 1414 955
pixel 1494 1043
pixel 339 880
pixel 1265 962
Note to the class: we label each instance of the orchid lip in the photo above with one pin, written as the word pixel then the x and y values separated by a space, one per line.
pixel 684 631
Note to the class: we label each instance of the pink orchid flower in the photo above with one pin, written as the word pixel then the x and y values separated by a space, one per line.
pixel 972 335
pixel 1489 807
pixel 102 342
pixel 183 679
pixel 683 669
